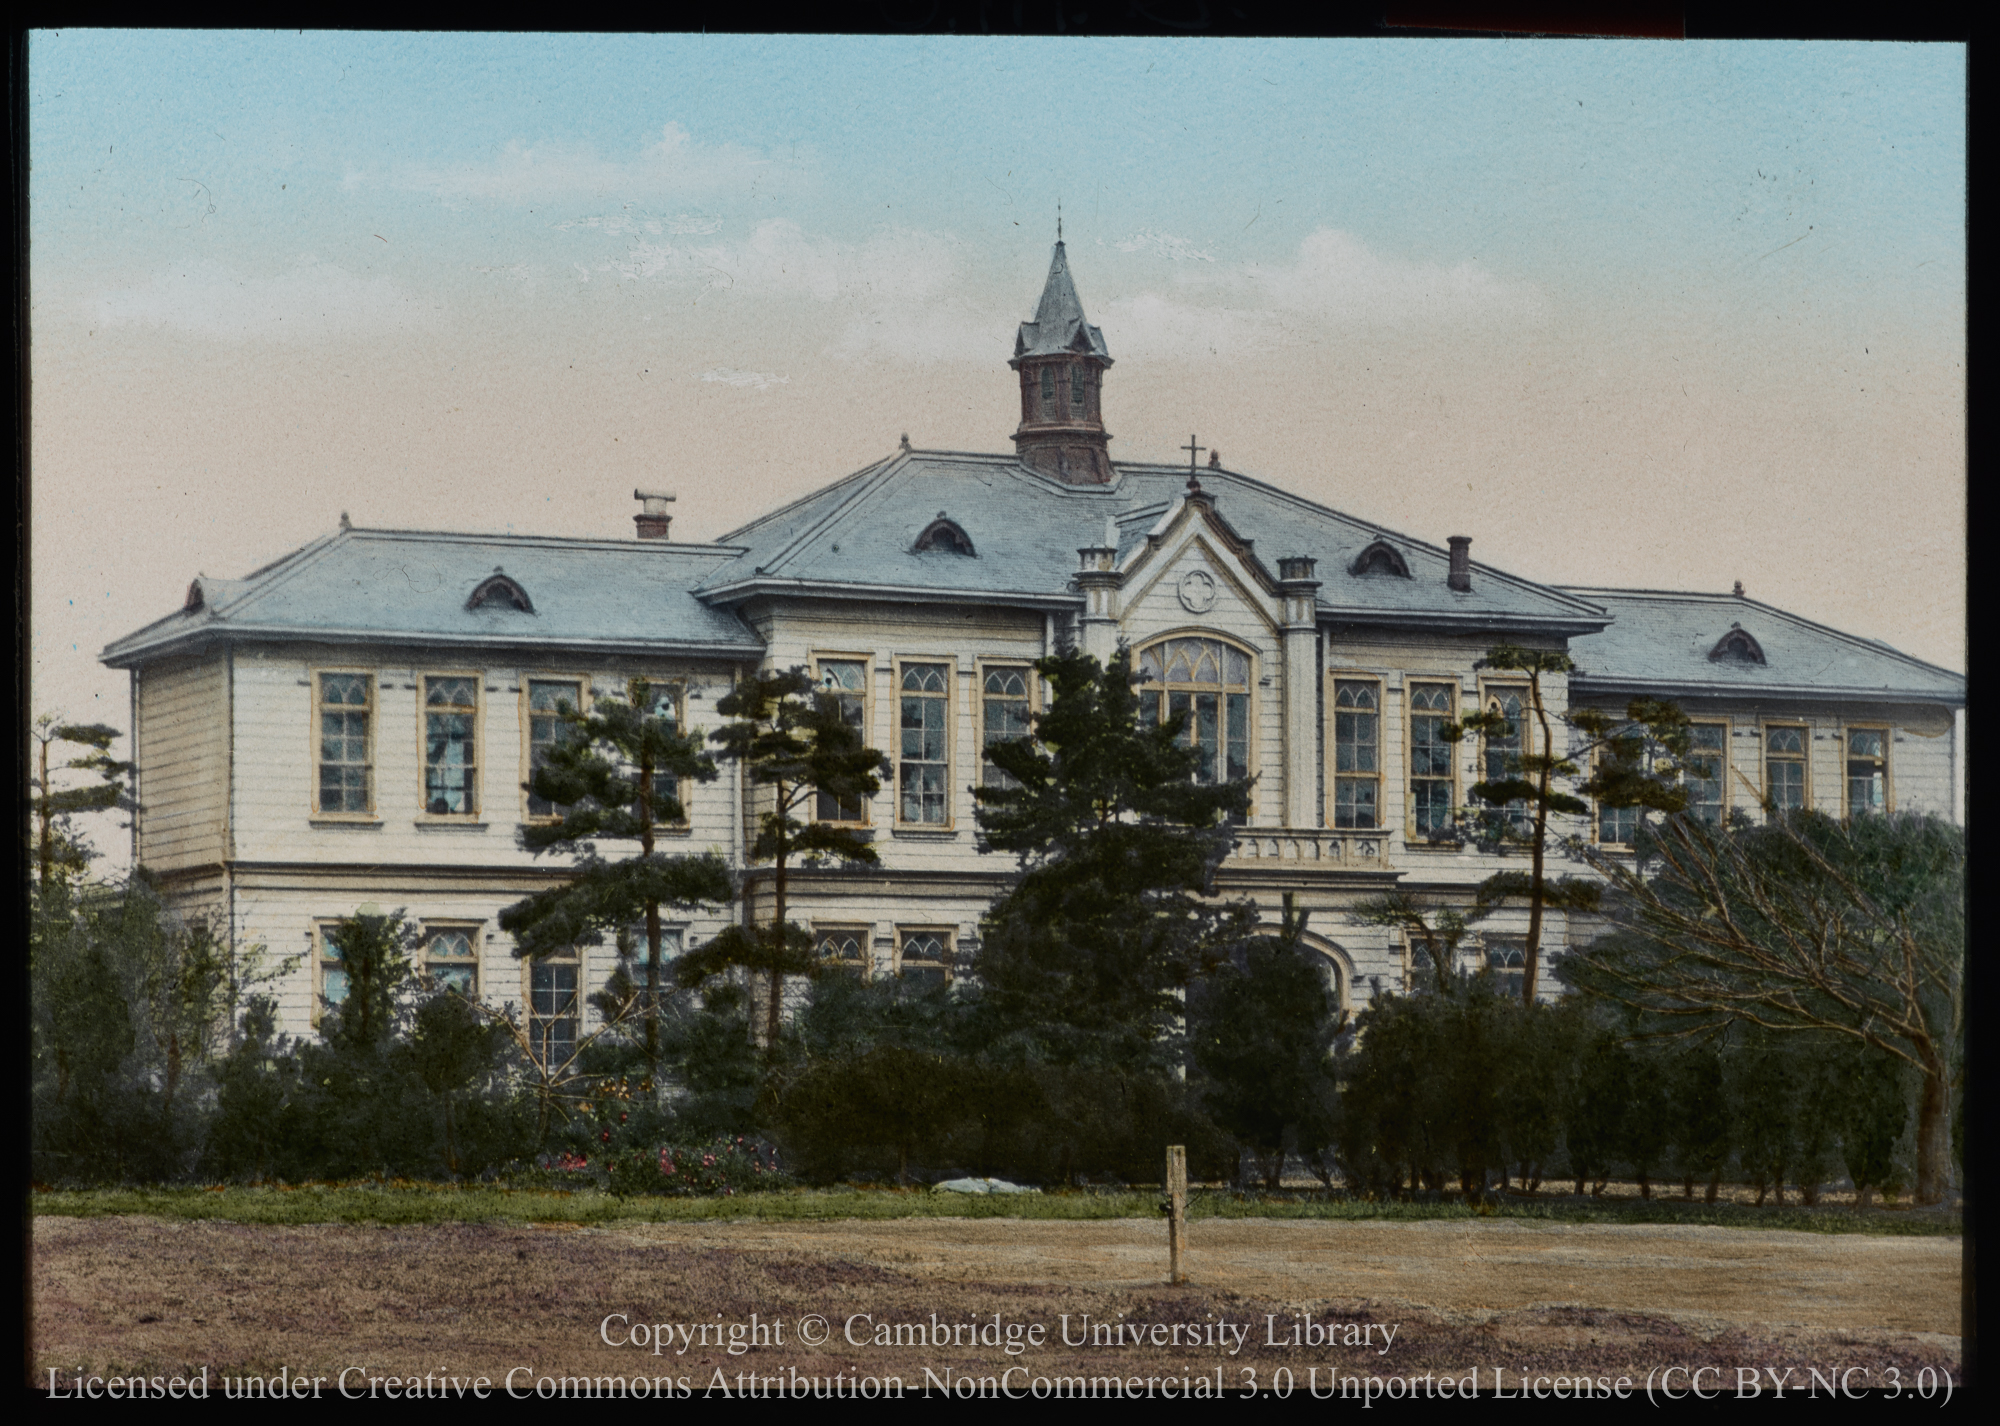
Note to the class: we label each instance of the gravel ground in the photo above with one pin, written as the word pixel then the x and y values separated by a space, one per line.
pixel 152 1296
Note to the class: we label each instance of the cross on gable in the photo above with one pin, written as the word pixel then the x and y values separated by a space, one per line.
pixel 1193 450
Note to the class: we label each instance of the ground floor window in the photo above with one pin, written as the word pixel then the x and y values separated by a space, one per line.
pixel 924 957
pixel 843 947
pixel 451 958
pixel 555 1008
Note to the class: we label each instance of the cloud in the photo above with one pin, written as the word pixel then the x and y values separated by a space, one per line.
pixel 1338 278
pixel 1155 326
pixel 674 165
pixel 313 301
pixel 760 380
pixel 640 222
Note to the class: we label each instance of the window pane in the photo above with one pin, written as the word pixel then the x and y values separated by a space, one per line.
pixel 343 742
pixel 925 959
pixel 548 699
pixel 552 1011
pixel 845 948
pixel 1004 716
pixel 847 681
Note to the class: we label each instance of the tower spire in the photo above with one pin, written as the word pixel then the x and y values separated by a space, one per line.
pixel 1062 360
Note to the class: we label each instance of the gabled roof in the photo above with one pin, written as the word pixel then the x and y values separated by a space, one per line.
pixel 855 540
pixel 1059 328
pixel 1661 640
pixel 398 586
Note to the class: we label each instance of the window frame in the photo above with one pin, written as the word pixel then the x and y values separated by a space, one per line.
pixel 1412 836
pixel 947 935
pixel 863 935
pixel 1252 750
pixel 981 666
pixel 1598 809
pixel 1334 776
pixel 576 958
pixel 1888 733
pixel 423 679
pixel 321 925
pixel 474 933
pixel 373 712
pixel 1503 944
pixel 1723 764
pixel 677 687
pixel 1522 820
pixel 820 658
pixel 1804 759
pixel 527 682
pixel 949 663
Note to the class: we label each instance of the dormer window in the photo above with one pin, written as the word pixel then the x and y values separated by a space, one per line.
pixel 944 533
pixel 1737 647
pixel 1381 557
pixel 498 591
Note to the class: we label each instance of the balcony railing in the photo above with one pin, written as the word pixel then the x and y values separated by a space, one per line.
pixel 1311 846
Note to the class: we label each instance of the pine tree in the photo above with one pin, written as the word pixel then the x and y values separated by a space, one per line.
pixel 612 775
pixel 1086 957
pixel 58 851
pixel 796 743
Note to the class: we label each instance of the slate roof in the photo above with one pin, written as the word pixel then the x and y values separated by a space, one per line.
pixel 855 539
pixel 1059 327
pixel 1661 640
pixel 386 586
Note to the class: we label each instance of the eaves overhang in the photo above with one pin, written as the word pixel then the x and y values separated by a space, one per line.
pixel 1582 685
pixel 215 634
pixel 1454 620
pixel 770 585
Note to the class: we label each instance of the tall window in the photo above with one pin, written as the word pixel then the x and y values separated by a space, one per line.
pixel 1077 391
pixel 328 962
pixel 451 714
pixel 1049 393
pixel 663 701
pixel 1785 767
pixel 924 957
pixel 847 681
pixel 1209 681
pixel 555 1004
pixel 924 776
pixel 1357 754
pixel 345 702
pixel 548 700
pixel 1617 826
pixel 1431 783
pixel 1867 770
pixel 1708 772
pixel 451 960
pixel 1507 961
pixel 1003 717
pixel 843 947
pixel 1503 750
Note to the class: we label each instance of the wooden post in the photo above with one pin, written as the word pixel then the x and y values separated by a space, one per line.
pixel 1176 1211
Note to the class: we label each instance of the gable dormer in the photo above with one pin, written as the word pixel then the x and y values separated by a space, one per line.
pixel 1380 557
pixel 499 590
pixel 945 533
pixel 1737 647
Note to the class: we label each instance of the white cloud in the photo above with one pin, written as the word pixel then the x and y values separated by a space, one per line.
pixel 314 300
pixel 1338 278
pixel 674 164
pixel 760 380
pixel 1153 326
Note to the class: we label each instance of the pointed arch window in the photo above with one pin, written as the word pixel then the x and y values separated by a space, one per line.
pixel 1049 393
pixel 499 591
pixel 1381 557
pixel 944 533
pixel 1737 647
pixel 1078 397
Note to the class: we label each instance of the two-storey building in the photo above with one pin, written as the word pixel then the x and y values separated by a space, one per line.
pixel 353 726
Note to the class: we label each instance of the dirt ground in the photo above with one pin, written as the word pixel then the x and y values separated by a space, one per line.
pixel 147 1295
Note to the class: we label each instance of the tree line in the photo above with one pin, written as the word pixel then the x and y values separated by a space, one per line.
pixel 1775 1004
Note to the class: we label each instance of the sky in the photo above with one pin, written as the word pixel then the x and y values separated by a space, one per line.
pixel 1642 313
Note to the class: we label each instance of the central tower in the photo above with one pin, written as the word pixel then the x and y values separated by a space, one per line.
pixel 1062 358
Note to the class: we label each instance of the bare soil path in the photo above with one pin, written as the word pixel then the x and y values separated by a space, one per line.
pixel 149 1295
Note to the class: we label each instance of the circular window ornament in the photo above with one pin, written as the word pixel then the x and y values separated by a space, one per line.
pixel 1197 591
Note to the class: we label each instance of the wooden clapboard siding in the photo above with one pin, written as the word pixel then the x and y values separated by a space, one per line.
pixel 182 748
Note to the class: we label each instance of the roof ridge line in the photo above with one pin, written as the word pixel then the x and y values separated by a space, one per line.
pixel 862 490
pixel 811 495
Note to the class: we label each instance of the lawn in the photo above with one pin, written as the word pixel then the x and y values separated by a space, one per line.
pixel 404 1202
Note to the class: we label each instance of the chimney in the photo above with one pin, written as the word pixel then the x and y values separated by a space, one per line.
pixel 1460 577
pixel 1739 589
pixel 1215 460
pixel 652 518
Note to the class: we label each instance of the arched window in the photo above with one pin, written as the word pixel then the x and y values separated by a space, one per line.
pixel 1048 393
pixel 1209 681
pixel 1736 647
pixel 945 534
pixel 1077 398
pixel 1381 557
pixel 499 591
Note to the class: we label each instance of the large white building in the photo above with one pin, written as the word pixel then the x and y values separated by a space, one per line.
pixel 352 726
